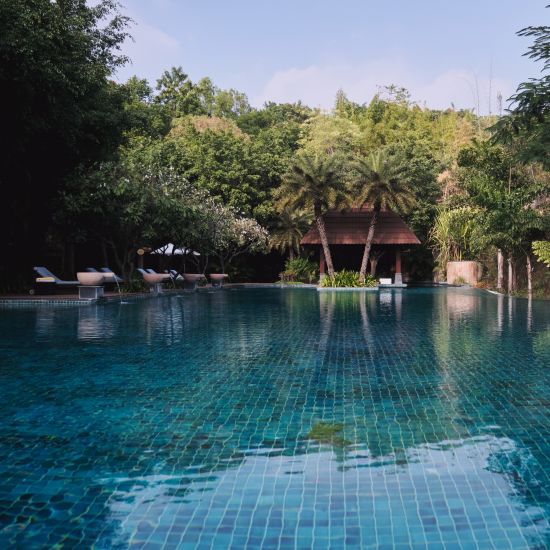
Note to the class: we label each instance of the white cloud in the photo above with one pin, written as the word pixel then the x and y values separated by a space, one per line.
pixel 149 44
pixel 317 85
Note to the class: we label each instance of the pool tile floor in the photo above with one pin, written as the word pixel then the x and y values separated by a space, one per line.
pixel 278 418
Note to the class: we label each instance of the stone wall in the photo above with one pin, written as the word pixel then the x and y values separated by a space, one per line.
pixel 463 272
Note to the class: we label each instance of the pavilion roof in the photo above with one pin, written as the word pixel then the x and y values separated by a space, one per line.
pixel 350 226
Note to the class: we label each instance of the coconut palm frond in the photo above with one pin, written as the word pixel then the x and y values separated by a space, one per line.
pixel 288 230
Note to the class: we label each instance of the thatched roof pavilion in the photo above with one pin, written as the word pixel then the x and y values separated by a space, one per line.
pixel 348 228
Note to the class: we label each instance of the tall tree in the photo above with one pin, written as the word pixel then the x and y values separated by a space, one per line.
pixel 58 109
pixel 177 93
pixel 314 183
pixel 379 186
pixel 527 124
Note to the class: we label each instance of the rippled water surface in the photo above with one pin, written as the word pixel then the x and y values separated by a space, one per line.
pixel 277 418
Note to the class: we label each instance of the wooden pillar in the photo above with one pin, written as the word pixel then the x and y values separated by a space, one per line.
pixel 398 260
pixel 398 277
pixel 321 263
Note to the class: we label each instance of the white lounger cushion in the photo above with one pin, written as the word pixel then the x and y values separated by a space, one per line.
pixel 385 281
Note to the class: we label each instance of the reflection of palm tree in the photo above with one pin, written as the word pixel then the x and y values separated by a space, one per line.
pixel 326 314
pixel 369 340
pixel 288 230
pixel 379 187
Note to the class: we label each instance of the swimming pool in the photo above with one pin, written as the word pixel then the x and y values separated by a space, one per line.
pixel 278 418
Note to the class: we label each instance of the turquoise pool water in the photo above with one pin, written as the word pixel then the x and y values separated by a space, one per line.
pixel 278 419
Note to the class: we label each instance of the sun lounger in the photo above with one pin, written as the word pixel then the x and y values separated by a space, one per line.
pixel 192 279
pixel 48 283
pixel 217 279
pixel 175 275
pixel 46 276
pixel 153 272
pixel 110 275
pixel 115 277
pixel 154 279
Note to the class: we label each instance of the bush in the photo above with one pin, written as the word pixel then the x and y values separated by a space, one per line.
pixel 134 285
pixel 542 251
pixel 347 278
pixel 300 269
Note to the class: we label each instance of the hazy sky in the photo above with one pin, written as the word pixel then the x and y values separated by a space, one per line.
pixel 282 50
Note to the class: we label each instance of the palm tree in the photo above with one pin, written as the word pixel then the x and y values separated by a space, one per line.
pixel 378 185
pixel 314 183
pixel 288 229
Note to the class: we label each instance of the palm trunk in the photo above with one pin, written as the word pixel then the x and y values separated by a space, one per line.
pixel 500 270
pixel 529 276
pixel 324 242
pixel 368 244
pixel 373 264
pixel 374 258
pixel 128 265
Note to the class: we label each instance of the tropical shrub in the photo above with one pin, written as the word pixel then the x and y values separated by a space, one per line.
pixel 453 235
pixel 301 269
pixel 542 251
pixel 346 278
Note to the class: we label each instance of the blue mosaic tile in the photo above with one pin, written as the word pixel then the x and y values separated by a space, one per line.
pixel 277 418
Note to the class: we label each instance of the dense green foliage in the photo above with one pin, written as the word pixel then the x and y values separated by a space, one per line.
pixel 110 168
pixel 542 251
pixel 58 109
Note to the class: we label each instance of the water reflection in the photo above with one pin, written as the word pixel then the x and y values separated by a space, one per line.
pixel 440 494
pixel 271 417
pixel 95 323
pixel 45 319
pixel 500 312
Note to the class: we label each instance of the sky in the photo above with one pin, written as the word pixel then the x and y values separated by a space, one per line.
pixel 444 52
